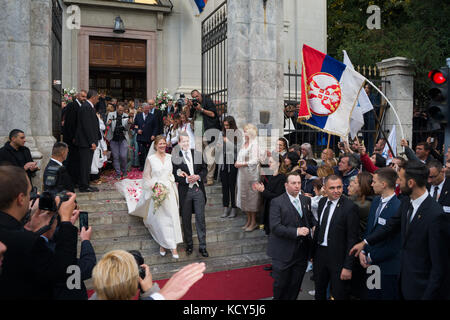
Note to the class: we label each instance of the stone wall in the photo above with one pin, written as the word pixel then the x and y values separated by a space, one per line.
pixel 255 62
pixel 25 74
pixel 398 86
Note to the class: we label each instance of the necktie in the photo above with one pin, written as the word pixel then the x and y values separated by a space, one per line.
pixel 188 158
pixel 377 213
pixel 408 215
pixel 323 225
pixel 435 194
pixel 298 207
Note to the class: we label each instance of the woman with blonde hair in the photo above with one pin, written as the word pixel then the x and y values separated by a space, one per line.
pixel 116 277
pixel 248 164
pixel 324 171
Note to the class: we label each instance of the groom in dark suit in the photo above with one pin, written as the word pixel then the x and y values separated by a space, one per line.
pixel 190 172
pixel 290 241
pixel 146 127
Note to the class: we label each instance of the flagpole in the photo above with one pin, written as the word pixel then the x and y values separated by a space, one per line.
pixel 383 133
pixel 393 109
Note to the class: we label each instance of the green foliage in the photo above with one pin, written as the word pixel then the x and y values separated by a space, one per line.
pixel 414 29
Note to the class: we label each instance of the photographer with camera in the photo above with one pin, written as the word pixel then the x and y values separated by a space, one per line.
pixel 87 259
pixel 118 124
pixel 56 176
pixel 30 268
pixel 206 115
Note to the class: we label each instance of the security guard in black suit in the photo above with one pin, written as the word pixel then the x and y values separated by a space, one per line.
pixel 423 227
pixel 56 176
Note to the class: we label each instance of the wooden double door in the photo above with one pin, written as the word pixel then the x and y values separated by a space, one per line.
pixel 120 84
pixel 118 67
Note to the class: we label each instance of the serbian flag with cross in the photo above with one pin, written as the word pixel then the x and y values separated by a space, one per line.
pixel 330 91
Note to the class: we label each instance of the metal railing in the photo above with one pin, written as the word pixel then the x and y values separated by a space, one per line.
pixel 214 58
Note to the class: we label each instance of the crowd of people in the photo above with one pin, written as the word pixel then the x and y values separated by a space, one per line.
pixel 337 214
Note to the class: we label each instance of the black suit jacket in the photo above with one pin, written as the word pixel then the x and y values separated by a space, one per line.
pixel 30 269
pixel 284 221
pixel 343 232
pixel 86 263
pixel 18 158
pixel 70 122
pixel 199 168
pixel 424 248
pixel 444 197
pixel 159 121
pixel 88 128
pixel 63 181
pixel 149 127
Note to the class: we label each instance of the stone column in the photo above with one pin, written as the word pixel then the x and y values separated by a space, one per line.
pixel 25 69
pixel 255 62
pixel 398 74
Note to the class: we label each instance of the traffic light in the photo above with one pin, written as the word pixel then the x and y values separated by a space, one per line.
pixel 438 93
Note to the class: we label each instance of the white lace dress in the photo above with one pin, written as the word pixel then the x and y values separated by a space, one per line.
pixel 164 222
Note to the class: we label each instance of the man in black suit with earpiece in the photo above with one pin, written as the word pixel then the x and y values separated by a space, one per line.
pixel 290 240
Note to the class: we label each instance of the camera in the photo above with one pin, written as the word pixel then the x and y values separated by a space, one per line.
pixel 139 261
pixel 142 272
pixel 180 101
pixel 47 199
pixel 194 102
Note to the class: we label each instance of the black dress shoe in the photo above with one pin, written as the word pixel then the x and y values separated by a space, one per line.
pixel 89 189
pixel 203 252
pixel 269 268
pixel 189 250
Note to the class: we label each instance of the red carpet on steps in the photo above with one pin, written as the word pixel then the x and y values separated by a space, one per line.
pixel 240 284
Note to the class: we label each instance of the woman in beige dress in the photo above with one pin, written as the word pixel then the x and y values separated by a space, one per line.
pixel 248 164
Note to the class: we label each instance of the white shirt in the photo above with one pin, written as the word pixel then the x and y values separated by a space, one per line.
pixel 190 166
pixel 384 201
pixel 157 296
pixel 144 115
pixel 440 186
pixel 333 206
pixel 90 103
pixel 79 103
pixel 57 161
pixel 299 203
pixel 416 204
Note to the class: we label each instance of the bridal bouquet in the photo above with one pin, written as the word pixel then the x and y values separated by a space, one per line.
pixel 69 94
pixel 160 193
pixel 162 98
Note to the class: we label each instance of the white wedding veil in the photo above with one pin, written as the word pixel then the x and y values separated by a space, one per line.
pixel 152 150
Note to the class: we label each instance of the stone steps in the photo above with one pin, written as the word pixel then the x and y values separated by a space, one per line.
pixel 218 249
pixel 221 233
pixel 109 205
pixel 212 219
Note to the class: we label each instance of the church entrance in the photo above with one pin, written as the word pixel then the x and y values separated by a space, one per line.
pixel 118 67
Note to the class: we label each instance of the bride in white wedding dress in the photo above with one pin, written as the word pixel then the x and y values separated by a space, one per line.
pixel 164 222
